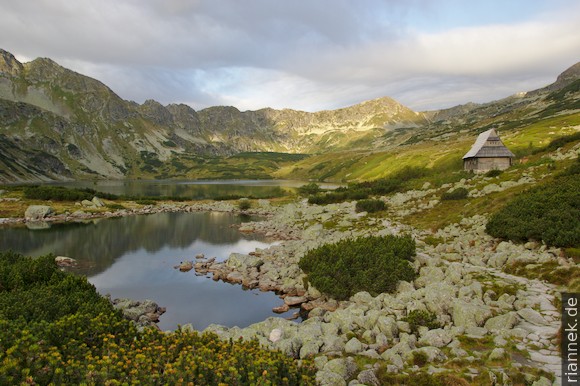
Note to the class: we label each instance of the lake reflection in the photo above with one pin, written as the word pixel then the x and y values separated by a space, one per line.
pixel 135 257
pixel 192 189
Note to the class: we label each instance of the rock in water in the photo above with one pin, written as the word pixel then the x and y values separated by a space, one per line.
pixel 185 266
pixel 37 212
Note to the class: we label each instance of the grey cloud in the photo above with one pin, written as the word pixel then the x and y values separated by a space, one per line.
pixel 298 54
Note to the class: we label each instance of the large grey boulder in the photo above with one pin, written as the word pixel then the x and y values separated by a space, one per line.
pixel 433 354
pixel 328 378
pixel 345 367
pixel 353 346
pixel 502 322
pixel 439 297
pixel 436 338
pixel 470 314
pixel 532 316
pixel 98 202
pixel 368 377
pixel 387 325
pixel 429 275
pixel 243 262
pixel 37 212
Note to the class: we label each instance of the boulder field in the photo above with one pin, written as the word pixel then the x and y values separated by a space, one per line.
pixel 489 321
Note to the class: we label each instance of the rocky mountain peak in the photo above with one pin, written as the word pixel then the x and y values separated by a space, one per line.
pixel 9 64
pixel 570 75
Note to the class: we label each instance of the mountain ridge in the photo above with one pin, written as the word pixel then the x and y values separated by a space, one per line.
pixel 85 130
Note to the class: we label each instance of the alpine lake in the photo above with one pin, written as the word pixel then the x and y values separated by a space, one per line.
pixel 136 256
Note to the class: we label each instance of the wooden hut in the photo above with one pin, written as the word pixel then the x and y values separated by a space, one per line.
pixel 488 153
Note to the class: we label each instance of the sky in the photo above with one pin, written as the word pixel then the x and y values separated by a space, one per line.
pixel 307 55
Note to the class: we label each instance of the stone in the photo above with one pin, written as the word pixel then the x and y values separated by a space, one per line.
pixel 433 354
pixel 332 344
pixel 368 377
pixel 37 212
pixel 97 202
pixel 429 275
pixel 436 338
pixel 281 309
pixel 439 297
pixel 63 261
pixel 532 316
pixel 310 349
pixel 497 354
pixel 234 277
pixel 275 335
pixel 387 326
pixel 185 266
pixel 328 378
pixel 294 300
pixel 543 381
pixel 87 203
pixel 243 262
pixel 353 346
pixel 502 322
pixel 470 314
pixel 345 367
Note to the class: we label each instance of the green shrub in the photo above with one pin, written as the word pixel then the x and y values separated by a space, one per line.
pixel 370 206
pixel 60 193
pixel 457 194
pixel 493 173
pixel 56 329
pixel 116 206
pixel 373 264
pixel 244 204
pixel 572 170
pixel 550 213
pixel 418 318
pixel 146 202
pixel 308 189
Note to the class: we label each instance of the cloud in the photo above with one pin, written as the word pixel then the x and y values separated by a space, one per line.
pixel 308 55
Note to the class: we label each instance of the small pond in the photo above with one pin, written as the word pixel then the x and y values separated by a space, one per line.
pixel 135 257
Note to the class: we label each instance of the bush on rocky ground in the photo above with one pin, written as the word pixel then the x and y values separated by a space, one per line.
pixel 372 264
pixel 550 213
pixel 457 194
pixel 370 206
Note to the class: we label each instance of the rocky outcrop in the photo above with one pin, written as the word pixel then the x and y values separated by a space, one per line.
pixel 144 313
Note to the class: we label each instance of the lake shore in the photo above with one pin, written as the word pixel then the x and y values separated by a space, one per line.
pixel 493 324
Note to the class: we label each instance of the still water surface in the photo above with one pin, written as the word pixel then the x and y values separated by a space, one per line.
pixel 135 256
pixel 193 189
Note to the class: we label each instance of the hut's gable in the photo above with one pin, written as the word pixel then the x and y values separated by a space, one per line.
pixel 487 153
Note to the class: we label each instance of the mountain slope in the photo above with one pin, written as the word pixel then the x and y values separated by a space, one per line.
pixel 94 133
pixel 58 124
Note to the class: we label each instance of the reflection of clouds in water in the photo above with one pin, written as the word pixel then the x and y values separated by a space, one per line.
pixel 134 257
pixel 188 298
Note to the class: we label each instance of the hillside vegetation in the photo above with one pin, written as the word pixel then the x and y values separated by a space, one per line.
pixel 58 124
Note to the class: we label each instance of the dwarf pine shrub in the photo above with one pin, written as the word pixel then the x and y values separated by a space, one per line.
pixel 370 206
pixel 56 329
pixel 456 194
pixel 373 264
pixel 550 213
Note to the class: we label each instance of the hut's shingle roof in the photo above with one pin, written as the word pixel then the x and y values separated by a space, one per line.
pixel 483 148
